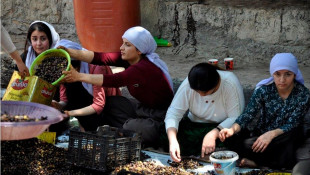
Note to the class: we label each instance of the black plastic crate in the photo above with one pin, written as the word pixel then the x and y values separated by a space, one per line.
pixel 105 149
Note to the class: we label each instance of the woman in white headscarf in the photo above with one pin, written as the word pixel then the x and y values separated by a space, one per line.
pixel 81 100
pixel 146 77
pixel 282 102
pixel 41 36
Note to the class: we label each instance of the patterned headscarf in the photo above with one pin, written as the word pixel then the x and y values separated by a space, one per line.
pixel 145 43
pixel 282 61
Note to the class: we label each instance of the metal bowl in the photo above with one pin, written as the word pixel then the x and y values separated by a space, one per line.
pixel 26 130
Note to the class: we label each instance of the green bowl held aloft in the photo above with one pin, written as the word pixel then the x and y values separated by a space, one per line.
pixel 50 53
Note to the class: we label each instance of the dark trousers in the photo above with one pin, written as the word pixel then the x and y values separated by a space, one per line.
pixel 190 136
pixel 280 153
pixel 131 115
pixel 90 122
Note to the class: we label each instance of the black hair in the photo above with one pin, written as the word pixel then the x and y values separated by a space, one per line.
pixel 203 77
pixel 39 26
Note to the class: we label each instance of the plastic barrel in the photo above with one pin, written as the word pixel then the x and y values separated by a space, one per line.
pixel 100 24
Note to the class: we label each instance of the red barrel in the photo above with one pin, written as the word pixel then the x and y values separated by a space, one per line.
pixel 100 24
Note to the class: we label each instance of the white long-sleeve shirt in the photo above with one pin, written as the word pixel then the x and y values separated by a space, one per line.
pixel 222 107
pixel 6 42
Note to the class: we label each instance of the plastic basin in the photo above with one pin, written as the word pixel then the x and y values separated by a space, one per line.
pixel 46 54
pixel 26 130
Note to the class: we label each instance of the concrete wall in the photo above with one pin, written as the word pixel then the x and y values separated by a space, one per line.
pixel 250 32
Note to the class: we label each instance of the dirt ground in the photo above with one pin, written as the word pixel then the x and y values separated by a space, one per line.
pixel 248 74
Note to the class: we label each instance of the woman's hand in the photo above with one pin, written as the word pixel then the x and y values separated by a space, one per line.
pixel 82 55
pixel 208 143
pixel 63 48
pixel 69 113
pixel 23 70
pixel 71 76
pixel 88 110
pixel 225 133
pixel 174 147
pixel 263 141
pixel 56 105
pixel 174 150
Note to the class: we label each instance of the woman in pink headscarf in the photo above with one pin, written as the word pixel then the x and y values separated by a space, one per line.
pixel 146 77
pixel 282 102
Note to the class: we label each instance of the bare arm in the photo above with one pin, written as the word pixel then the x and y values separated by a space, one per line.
pixel 23 70
pixel 174 147
pixel 72 76
pixel 264 140
pixel 95 79
pixel 81 112
pixel 82 55
pixel 208 143
pixel 225 133
pixel 9 47
pixel 236 128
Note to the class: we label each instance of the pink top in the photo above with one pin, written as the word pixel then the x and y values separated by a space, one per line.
pixel 99 92
pixel 144 80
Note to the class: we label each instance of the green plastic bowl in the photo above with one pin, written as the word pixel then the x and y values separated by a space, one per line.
pixel 50 53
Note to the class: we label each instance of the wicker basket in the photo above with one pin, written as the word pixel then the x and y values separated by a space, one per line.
pixel 103 150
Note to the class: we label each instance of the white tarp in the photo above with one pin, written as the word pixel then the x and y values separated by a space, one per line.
pixel 162 159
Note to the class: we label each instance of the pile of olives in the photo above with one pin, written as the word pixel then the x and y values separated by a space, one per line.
pixel 51 68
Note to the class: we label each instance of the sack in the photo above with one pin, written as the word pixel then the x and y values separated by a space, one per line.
pixel 31 89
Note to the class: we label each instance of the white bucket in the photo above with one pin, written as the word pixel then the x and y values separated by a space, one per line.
pixel 224 162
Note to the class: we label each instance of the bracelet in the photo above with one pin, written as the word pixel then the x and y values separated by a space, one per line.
pixel 218 128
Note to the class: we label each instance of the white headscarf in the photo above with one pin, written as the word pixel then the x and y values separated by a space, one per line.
pixel 84 68
pixel 145 43
pixel 31 53
pixel 282 61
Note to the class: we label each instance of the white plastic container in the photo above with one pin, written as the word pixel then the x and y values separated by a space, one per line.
pixel 224 162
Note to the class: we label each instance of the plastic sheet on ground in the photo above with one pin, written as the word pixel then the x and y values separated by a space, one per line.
pixel 162 159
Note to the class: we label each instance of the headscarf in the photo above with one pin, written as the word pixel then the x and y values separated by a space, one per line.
pixel 145 43
pixel 282 61
pixel 31 53
pixel 84 68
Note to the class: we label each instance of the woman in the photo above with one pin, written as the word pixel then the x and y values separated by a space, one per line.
pixel 146 77
pixel 214 99
pixel 282 101
pixel 41 36
pixel 84 101
pixel 9 47
pixel 81 100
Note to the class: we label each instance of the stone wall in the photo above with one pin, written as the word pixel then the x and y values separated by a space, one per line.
pixel 249 31
pixel 16 16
